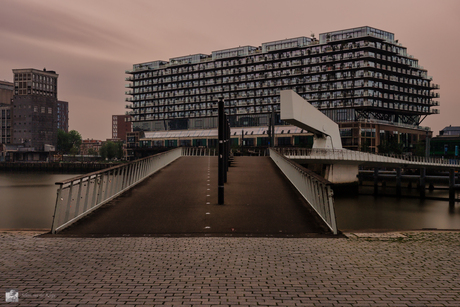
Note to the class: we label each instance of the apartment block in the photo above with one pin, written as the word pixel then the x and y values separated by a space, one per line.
pixel 34 109
pixel 362 78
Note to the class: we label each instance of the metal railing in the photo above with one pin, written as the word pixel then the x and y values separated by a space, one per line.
pixel 351 155
pixel 197 151
pixel 316 190
pixel 78 196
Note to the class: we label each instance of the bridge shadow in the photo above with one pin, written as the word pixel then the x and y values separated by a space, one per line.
pixel 181 200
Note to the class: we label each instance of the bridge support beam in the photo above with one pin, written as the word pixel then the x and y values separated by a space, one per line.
pixel 376 181
pixel 422 182
pixel 451 187
pixel 398 181
pixel 342 173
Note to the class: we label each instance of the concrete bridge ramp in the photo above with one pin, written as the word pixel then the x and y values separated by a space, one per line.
pixel 181 200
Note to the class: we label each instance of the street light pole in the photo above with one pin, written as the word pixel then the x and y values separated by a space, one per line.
pixel 221 162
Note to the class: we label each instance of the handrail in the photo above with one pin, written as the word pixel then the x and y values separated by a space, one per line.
pixel 345 154
pixel 316 190
pixel 80 195
pixel 198 151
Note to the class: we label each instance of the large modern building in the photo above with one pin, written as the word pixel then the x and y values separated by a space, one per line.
pixel 362 78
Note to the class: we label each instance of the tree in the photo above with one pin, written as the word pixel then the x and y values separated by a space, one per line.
pixel 69 143
pixel 419 148
pixel 92 152
pixel 391 146
pixel 111 150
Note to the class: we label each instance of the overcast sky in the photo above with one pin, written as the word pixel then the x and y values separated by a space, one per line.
pixel 90 43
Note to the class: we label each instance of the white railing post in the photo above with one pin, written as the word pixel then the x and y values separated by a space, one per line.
pixel 77 205
pixel 57 210
pixel 88 182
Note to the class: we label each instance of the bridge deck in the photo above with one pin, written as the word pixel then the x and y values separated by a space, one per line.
pixel 181 199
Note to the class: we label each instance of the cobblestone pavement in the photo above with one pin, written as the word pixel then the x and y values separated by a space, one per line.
pixel 411 269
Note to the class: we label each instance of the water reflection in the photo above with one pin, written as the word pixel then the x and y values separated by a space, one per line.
pixel 388 212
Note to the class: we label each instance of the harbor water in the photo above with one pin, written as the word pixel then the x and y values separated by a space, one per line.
pixel 27 201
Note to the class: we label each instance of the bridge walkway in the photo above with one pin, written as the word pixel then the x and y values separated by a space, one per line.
pixel 181 200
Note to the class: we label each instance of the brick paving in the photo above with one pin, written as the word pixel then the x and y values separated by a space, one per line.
pixel 412 269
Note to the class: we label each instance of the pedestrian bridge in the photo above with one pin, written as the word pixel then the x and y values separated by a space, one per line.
pixel 175 194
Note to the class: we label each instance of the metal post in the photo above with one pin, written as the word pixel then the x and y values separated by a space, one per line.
pixel 95 188
pixel 56 210
pixel 224 127
pixel 85 206
pixel 77 205
pixel 272 134
pixel 69 202
pixel 221 166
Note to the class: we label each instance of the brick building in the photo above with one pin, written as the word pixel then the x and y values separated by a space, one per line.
pixel 121 126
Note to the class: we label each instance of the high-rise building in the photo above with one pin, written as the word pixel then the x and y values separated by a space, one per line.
pixel 362 78
pixel 34 109
pixel 121 125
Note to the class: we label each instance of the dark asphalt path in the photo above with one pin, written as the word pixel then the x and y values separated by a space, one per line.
pixel 181 200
